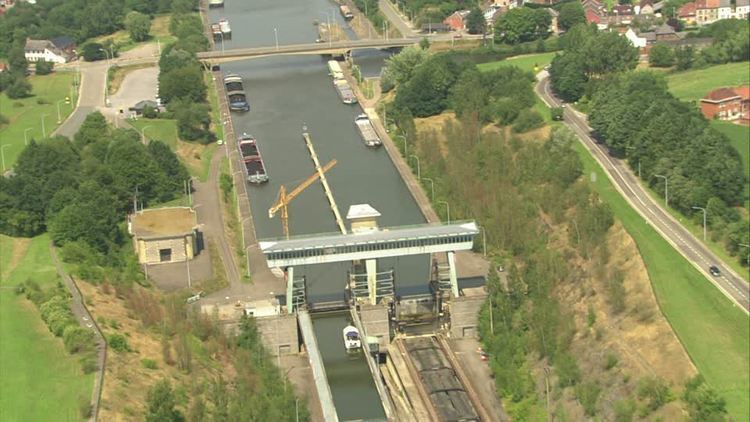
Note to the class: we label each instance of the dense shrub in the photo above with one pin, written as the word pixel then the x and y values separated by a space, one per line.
pixel 77 338
pixel 43 67
pixel 527 120
pixel 118 342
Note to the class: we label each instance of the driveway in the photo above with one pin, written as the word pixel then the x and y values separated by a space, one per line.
pixel 138 85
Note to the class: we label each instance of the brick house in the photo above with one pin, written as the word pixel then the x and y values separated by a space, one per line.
pixel 687 13
pixel 457 20
pixel 164 235
pixel 706 11
pixel 725 103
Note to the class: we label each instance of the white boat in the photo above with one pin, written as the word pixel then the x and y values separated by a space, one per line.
pixel 351 338
pixel 369 136
pixel 215 3
pixel 224 26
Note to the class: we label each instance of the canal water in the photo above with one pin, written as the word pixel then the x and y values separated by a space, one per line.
pixel 285 94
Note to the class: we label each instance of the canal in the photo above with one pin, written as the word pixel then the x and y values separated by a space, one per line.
pixel 286 93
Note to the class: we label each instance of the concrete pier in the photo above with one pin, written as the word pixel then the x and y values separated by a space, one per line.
pixel 318 370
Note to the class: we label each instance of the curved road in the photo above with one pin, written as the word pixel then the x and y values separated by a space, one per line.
pixel 730 283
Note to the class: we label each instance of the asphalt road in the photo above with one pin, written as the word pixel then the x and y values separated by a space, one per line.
pixel 729 282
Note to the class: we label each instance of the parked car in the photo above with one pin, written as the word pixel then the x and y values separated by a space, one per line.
pixel 714 270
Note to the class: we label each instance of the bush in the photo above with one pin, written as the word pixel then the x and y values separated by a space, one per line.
pixel 44 67
pixel 527 120
pixel 655 391
pixel 610 361
pixel 225 183
pixel 148 363
pixel 77 338
pixel 624 410
pixel 88 364
pixel 150 112
pixel 704 404
pixel 567 370
pixel 93 51
pixel 118 342
pixel 20 88
pixel 587 394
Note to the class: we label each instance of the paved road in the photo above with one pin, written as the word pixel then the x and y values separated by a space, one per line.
pixel 90 97
pixel 730 283
pixel 390 12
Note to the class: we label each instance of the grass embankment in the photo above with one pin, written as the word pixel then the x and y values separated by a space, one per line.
pixel 228 193
pixel 714 332
pixel 159 32
pixel 531 63
pixel 26 113
pixel 739 138
pixel 692 85
pixel 39 380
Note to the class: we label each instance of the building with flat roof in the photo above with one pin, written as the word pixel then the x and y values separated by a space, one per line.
pixel 164 235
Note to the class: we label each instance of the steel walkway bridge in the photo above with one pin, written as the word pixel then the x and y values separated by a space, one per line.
pixel 369 246
pixel 335 47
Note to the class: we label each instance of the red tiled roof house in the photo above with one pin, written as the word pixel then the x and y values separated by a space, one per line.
pixel 725 103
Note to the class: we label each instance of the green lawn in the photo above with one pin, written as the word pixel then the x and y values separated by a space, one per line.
pixel 692 85
pixel 530 62
pixel 27 112
pixel 739 137
pixel 164 130
pixel 39 381
pixel 713 331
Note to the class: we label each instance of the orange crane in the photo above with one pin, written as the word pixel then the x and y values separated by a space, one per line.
pixel 284 198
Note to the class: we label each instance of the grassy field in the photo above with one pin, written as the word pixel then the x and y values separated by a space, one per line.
pixel 159 32
pixel 692 85
pixel 529 62
pixel 164 130
pixel 739 137
pixel 39 381
pixel 26 113
pixel 714 332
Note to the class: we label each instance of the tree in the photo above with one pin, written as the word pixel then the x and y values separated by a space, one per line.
pixel 161 404
pixel 93 129
pixel 684 57
pixel 661 55
pixel 608 52
pixel 17 61
pixel 426 93
pixel 93 51
pixel 43 67
pixel 402 65
pixel 193 120
pixel 571 14
pixel 20 88
pixel 185 82
pixel 475 22
pixel 522 24
pixel 704 404
pixel 175 172
pixel 568 77
pixel 424 43
pixel 138 25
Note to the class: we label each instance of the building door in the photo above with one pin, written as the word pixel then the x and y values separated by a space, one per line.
pixel 165 255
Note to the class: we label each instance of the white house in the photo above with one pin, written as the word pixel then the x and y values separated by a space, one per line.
pixel 742 9
pixel 57 50
pixel 634 39
pixel 725 9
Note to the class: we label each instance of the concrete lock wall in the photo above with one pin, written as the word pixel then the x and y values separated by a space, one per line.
pixel 279 333
pixel 181 249
pixel 376 323
pixel 464 313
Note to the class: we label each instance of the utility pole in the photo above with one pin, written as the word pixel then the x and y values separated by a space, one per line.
pixel 44 132
pixel 419 173
pixel 666 188
pixel 704 220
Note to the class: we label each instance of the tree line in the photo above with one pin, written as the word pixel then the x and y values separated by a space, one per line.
pixel 730 43
pixel 635 116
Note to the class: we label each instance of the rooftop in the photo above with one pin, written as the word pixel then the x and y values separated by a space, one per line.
pixel 163 222
pixel 720 94
pixel 361 211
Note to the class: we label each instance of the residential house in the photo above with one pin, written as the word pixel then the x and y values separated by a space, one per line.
pixel 724 103
pixel 646 7
pixel 706 11
pixel 164 235
pixel 725 9
pixel 637 41
pixel 56 50
pixel 457 20
pixel 621 14
pixel 687 13
pixel 492 13
pixel 596 13
pixel 431 28
pixel 742 9
pixel 665 33
pixel 744 93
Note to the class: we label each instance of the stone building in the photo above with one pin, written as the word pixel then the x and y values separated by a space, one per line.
pixel 164 235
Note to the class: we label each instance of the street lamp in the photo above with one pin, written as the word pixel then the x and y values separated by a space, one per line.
pixel 2 155
pixel 666 188
pixel 59 116
pixel 143 133
pixel 405 145
pixel 432 186
pixel 484 241
pixel 25 137
pixel 447 209
pixel 276 38
pixel 419 173
pixel 44 132
pixel 704 221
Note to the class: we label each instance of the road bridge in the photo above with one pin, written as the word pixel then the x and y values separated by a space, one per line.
pixel 335 47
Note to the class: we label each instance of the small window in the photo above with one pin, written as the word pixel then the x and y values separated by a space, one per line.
pixel 165 255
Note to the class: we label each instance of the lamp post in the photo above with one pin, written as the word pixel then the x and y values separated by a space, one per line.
pixel 276 38
pixel 484 241
pixel 25 137
pixel 2 155
pixel 405 145
pixel 666 188
pixel 704 220
pixel 59 116
pixel 143 133
pixel 447 209
pixel 419 173
pixel 44 132
pixel 432 186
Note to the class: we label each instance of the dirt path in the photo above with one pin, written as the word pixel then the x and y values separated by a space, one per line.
pixel 83 316
pixel 20 247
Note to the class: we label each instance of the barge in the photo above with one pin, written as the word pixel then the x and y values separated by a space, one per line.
pixel 346 12
pixel 345 91
pixel 215 3
pixel 367 131
pixel 334 69
pixel 236 93
pixel 255 169
pixel 225 28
